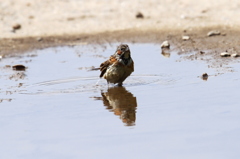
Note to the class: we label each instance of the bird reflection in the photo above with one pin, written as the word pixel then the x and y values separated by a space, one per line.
pixel 166 52
pixel 122 103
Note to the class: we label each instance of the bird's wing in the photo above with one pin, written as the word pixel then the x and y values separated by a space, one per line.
pixel 104 66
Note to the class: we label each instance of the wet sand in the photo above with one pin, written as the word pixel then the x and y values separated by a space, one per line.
pixel 52 23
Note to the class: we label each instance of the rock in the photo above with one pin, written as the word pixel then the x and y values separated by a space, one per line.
pixel 31 17
pixel 19 67
pixel 235 55
pixel 202 52
pixel 225 54
pixel 16 26
pixel 165 44
pixel 139 15
pixel 204 11
pixel 213 33
pixel 183 16
pixel 185 38
pixel 20 84
pixel 39 39
pixel 205 76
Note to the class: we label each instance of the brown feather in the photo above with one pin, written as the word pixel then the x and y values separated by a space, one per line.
pixel 103 72
pixel 106 64
pixel 103 67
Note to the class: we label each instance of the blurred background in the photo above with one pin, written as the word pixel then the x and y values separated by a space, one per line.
pixel 67 17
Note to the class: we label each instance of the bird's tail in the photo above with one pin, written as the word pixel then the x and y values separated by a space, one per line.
pixel 94 69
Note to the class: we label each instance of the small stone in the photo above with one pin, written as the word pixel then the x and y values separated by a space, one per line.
pixel 225 54
pixel 16 26
pixel 20 84
pixel 183 16
pixel 28 4
pixel 213 33
pixel 165 44
pixel 139 15
pixel 205 76
pixel 19 67
pixel 185 38
pixel 235 55
pixel 202 52
pixel 31 17
pixel 39 39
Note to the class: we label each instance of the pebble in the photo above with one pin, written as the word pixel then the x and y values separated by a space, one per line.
pixel 19 67
pixel 16 26
pixel 39 39
pixel 235 55
pixel 225 54
pixel 165 44
pixel 139 15
pixel 205 76
pixel 185 38
pixel 213 33
pixel 31 17
pixel 20 84
pixel 183 16
pixel 202 52
pixel 204 11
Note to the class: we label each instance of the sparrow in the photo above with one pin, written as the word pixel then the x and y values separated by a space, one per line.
pixel 118 67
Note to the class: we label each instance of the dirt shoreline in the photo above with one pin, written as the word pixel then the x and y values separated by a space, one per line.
pixel 199 40
pixel 26 25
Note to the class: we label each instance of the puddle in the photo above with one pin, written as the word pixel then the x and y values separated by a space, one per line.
pixel 57 108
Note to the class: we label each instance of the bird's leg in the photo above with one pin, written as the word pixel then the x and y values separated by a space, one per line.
pixel 98 81
pixel 120 84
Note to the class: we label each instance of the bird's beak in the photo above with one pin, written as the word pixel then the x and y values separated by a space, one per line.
pixel 119 52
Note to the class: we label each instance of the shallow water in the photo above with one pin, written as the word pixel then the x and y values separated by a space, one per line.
pixel 60 109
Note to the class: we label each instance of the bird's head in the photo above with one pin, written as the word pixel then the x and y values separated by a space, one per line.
pixel 123 51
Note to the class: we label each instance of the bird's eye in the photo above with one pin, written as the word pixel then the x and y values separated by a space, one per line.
pixel 122 49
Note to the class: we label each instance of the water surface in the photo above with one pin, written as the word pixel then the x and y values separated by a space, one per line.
pixel 60 109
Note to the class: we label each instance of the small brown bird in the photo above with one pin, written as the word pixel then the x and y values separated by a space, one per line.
pixel 119 66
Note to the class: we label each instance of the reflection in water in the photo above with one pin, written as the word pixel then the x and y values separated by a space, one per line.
pixel 166 52
pixel 122 103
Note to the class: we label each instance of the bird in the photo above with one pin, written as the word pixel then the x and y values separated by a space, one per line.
pixel 118 67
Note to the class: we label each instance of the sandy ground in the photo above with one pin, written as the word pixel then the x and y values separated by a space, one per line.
pixel 44 23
